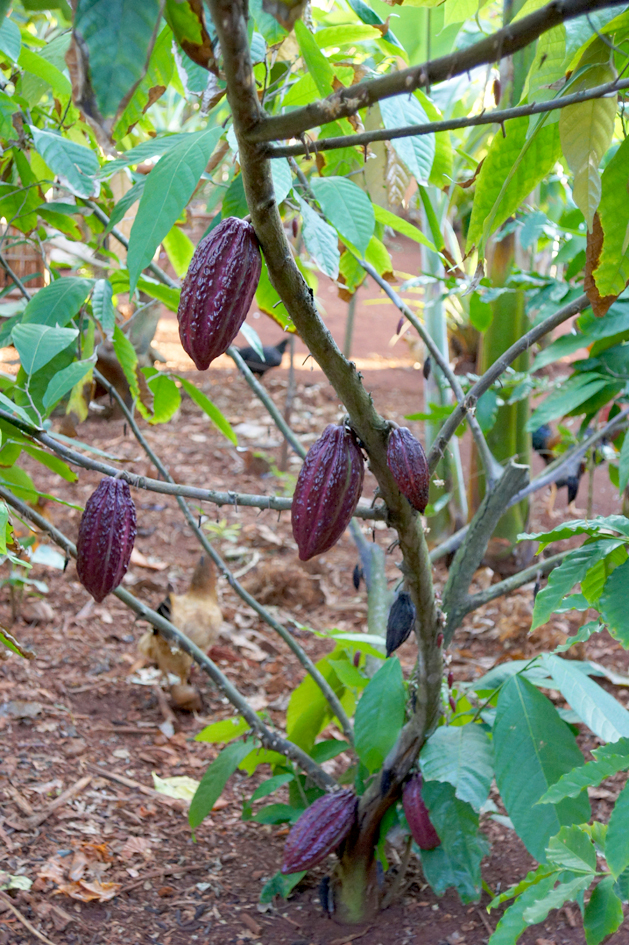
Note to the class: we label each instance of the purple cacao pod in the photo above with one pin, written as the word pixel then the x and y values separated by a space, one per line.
pixel 327 491
pixel 218 290
pixel 407 461
pixel 319 831
pixel 106 537
pixel 400 622
pixel 416 812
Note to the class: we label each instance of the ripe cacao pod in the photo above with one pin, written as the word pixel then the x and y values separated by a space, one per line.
pixel 416 812
pixel 106 537
pixel 319 831
pixel 400 622
pixel 407 461
pixel 218 289
pixel 327 491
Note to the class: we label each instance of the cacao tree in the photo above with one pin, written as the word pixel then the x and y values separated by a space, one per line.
pixel 276 113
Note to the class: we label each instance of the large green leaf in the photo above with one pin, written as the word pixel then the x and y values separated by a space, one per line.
pixel 166 397
pixel 567 397
pixel 58 302
pixel 616 845
pixel 65 380
pixel 603 913
pixel 75 165
pixel 462 756
pixel 380 715
pixel 572 569
pixel 215 779
pixel 573 850
pixel 532 749
pixel 10 39
pixel 317 64
pixel 512 924
pixel 402 226
pixel 555 898
pixel 210 409
pixel 347 207
pixel 603 714
pixel 118 35
pixel 513 167
pixel 417 152
pixel 612 273
pixel 38 344
pixel 103 307
pixel 609 761
pixel 152 148
pixel 320 240
pixel 456 862
pixel 168 189
pixel 47 71
pixel 613 604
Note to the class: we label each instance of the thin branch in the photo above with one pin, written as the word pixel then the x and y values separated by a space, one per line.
pixel 264 397
pixel 278 503
pixel 122 239
pixel 268 738
pixel 493 469
pixel 347 101
pixel 497 116
pixel 493 373
pixel 304 659
pixel 18 282
pixel 542 568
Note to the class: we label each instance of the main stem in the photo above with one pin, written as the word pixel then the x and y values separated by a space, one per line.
pixel 231 26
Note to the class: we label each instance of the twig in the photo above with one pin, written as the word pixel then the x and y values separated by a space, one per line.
pixel 450 124
pixel 268 738
pixel 497 368
pixel 122 239
pixel 27 925
pixel 58 802
pixel 18 282
pixel 304 659
pixel 288 403
pixel 167 871
pixel 109 775
pixel 543 567
pixel 348 101
pixel 493 469
pixel 394 889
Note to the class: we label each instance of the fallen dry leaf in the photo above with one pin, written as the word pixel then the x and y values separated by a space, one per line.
pixel 89 891
pixel 136 846
pixel 151 563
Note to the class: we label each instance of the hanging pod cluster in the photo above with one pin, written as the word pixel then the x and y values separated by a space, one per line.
pixel 327 492
pixel 218 289
pixel 106 538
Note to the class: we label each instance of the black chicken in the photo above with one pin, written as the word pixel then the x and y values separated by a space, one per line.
pixel 272 357
pixel 544 441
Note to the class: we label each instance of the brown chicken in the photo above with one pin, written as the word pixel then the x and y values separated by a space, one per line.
pixel 197 614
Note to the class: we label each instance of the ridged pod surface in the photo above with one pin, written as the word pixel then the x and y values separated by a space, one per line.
pixel 407 461
pixel 416 812
pixel 400 621
pixel 327 491
pixel 319 831
pixel 106 537
pixel 218 290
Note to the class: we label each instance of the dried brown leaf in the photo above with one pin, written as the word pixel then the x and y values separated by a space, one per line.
pixel 600 304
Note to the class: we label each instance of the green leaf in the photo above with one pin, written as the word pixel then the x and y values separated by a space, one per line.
pixel 10 39
pixel 612 272
pixel 212 411
pixel 273 784
pixel 462 756
pixel 220 732
pixel 103 307
pixel 38 344
pixel 308 711
pixel 532 749
pixel 126 354
pixel 50 461
pixel 214 780
pixel 39 66
pixel 179 249
pixel 327 749
pixel 125 203
pixel 417 152
pixel 280 885
pixel 512 168
pixel 513 923
pixel 457 11
pixel 166 398
pixel 613 604
pixel 65 380
pixel 573 850
pixel 316 63
pixel 320 240
pixel 347 207
pixel 168 189
pixel 586 130
pixel 603 715
pixel 118 35
pixel 235 202
pixel 282 179
pixel 75 165
pixel 555 898
pixel 8 640
pixel 572 569
pixel 456 862
pixel 616 846
pixel 380 715
pixel 277 814
pixel 152 148
pixel 601 527
pixel 481 314
pixel 58 302
pixel 532 878
pixel 603 913
pixel 402 226
pixel 615 759
pixel 573 392
pixel 623 462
